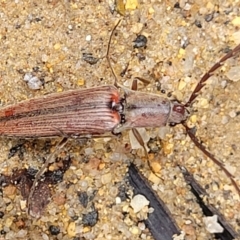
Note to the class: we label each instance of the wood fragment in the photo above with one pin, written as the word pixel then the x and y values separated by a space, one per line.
pixel 160 222
pixel 209 210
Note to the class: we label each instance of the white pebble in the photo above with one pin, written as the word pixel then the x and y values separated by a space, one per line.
pixel 188 222
pixel 45 236
pixel 224 83
pixel 179 237
pixel 70 27
pixel 212 225
pixel 225 119
pixel 88 38
pixel 232 114
pixel 118 200
pixel 187 7
pixel 44 58
pixel 88 151
pixel 83 184
pixel 27 76
pixel 34 83
pixel 141 226
pixel 138 202
pixel 21 234
pixel 150 210
pixel 234 74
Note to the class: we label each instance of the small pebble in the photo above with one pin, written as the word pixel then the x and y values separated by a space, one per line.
pixel 138 202
pixel 140 41
pixel 90 219
pixel 88 151
pixel 182 84
pixel 236 21
pixel 204 103
pixel 212 225
pixel 89 58
pixel 8 222
pixel 234 74
pixel 57 46
pixel 187 7
pixel 70 27
pixel 27 77
pixel 45 236
pixel 106 178
pixel 181 236
pixel 135 230
pixel 23 204
pixel 198 23
pixel 233 114
pixel 209 17
pixel 225 120
pixel 193 118
pixel 188 222
pixel 54 230
pixel 224 83
pixel 151 11
pixel 118 200
pixel 33 82
pixel 22 234
pixel 44 58
pixel 83 198
pixel 88 38
pixel 71 230
pixel 131 4
pixel 156 166
pixel 141 226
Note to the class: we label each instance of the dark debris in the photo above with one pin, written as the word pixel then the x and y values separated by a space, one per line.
pixel 54 230
pixel 122 193
pixel 89 58
pixel 160 222
pixel 91 218
pixel 17 149
pixel 209 210
pixel 24 178
pixel 140 41
pixel 85 197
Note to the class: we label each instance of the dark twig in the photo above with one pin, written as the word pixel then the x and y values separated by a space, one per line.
pixel 209 210
pixel 160 222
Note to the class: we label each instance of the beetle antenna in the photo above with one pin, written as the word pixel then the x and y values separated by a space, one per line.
pixel 208 74
pixel 208 154
pixel 108 51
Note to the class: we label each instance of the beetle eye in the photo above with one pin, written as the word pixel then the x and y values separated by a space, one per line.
pixel 179 109
pixel 172 124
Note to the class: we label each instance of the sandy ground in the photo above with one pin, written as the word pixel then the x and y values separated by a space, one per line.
pixel 183 43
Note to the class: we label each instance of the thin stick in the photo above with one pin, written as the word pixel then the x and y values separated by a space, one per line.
pixel 108 51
